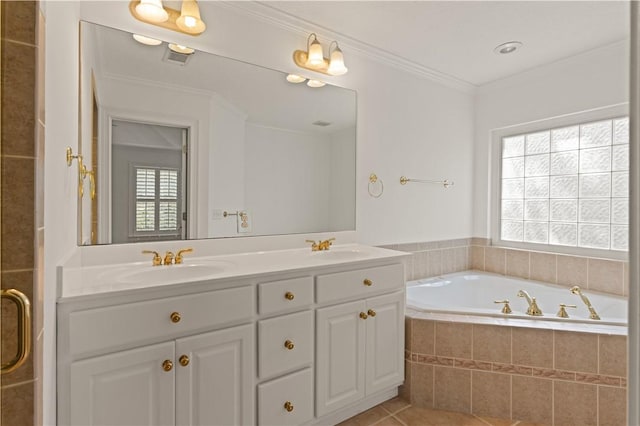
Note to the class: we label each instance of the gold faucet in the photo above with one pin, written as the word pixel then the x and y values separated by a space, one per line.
pixel 506 309
pixel 592 312
pixel 321 245
pixel 562 313
pixel 168 258
pixel 533 309
pixel 157 260
pixel 178 258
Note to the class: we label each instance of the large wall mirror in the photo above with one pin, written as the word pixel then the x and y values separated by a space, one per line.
pixel 186 146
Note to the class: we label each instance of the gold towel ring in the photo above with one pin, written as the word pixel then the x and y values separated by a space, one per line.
pixel 373 179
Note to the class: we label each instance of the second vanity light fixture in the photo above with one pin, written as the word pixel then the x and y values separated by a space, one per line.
pixel 186 21
pixel 313 59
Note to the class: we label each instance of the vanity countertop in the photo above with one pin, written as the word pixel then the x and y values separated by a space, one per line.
pixel 106 279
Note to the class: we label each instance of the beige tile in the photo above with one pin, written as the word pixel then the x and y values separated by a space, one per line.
pixel 394 405
pixel 453 339
pixel 576 351
pixel 420 265
pixel 423 336
pixel 532 399
pixel 575 404
pixel 532 347
pixel 462 258
pixel 606 276
pixel 491 394
pixel 612 406
pixel 517 263
pixel 389 421
pixel 625 277
pixel 408 268
pixel 421 385
pixel 476 241
pixel 448 260
pixel 19 21
pixel 492 343
pixel 452 389
pixel 543 267
pixel 17 213
pixel 407 332
pixel 404 391
pixel 572 270
pixel 17 405
pixel 493 421
pixel 613 355
pixel 18 99
pixel 367 418
pixel 494 260
pixel 435 262
pixel 477 257
pixel 41 35
pixel 414 416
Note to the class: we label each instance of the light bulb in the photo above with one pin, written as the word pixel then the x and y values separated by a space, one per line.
pixel 294 78
pixel 315 83
pixel 178 48
pixel 146 40
pixel 152 11
pixel 336 63
pixel 315 56
pixel 189 20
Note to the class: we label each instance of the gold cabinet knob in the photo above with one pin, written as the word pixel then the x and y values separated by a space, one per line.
pixel 288 406
pixel 367 282
pixel 175 317
pixel 371 313
pixel 289 344
pixel 184 360
pixel 167 365
pixel 363 315
pixel 289 296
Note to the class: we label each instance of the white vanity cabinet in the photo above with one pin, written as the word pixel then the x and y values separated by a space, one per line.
pixel 360 343
pixel 298 346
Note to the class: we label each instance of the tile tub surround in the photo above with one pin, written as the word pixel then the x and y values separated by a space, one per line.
pixel 539 376
pixel 590 273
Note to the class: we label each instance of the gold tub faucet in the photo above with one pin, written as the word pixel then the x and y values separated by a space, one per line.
pixel 533 309
pixel 168 258
pixel 179 256
pixel 592 312
pixel 157 260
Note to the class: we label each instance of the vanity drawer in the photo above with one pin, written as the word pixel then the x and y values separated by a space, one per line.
pixel 360 282
pixel 285 295
pixel 117 327
pixel 295 389
pixel 285 343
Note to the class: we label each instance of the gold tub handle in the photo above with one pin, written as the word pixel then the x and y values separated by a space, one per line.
pixel 24 329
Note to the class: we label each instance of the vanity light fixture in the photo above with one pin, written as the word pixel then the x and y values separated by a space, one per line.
pixel 186 21
pixel 313 59
pixel 315 83
pixel 147 40
pixel 178 48
pixel 506 48
pixel 295 78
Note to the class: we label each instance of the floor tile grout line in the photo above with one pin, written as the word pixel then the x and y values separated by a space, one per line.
pixel 399 420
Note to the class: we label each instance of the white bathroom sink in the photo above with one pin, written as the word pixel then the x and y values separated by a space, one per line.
pixel 171 273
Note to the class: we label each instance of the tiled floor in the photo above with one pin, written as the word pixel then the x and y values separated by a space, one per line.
pixel 398 412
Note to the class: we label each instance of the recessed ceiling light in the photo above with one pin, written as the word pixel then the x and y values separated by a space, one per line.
pixel 315 83
pixel 147 40
pixel 508 47
pixel 294 78
pixel 178 48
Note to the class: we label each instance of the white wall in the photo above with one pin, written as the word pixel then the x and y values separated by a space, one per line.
pixel 591 80
pixel 406 125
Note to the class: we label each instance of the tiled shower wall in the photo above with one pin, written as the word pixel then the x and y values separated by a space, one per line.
pixel 434 258
pixel 22 151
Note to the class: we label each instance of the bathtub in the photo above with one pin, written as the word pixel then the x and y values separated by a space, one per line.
pixel 471 294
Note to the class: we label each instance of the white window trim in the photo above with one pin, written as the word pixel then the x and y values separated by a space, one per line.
pixel 495 167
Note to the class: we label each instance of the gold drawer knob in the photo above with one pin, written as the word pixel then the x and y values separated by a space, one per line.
pixel 289 345
pixel 367 282
pixel 363 315
pixel 371 313
pixel 175 317
pixel 184 360
pixel 167 365
pixel 289 296
pixel 288 406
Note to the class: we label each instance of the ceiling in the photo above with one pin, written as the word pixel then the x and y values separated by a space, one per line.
pixel 457 38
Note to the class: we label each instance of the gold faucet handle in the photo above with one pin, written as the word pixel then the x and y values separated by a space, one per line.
pixel 168 258
pixel 314 245
pixel 506 309
pixel 178 258
pixel 562 313
pixel 157 260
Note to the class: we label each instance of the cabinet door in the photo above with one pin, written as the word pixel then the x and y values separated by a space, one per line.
pixel 385 342
pixel 340 356
pixel 216 386
pixel 124 388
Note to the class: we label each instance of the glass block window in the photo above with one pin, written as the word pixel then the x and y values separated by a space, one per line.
pixel 567 186
pixel 156 205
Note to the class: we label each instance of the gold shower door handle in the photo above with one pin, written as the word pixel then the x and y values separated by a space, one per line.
pixel 24 329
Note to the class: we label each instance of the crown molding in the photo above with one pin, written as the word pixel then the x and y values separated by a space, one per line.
pixel 301 27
